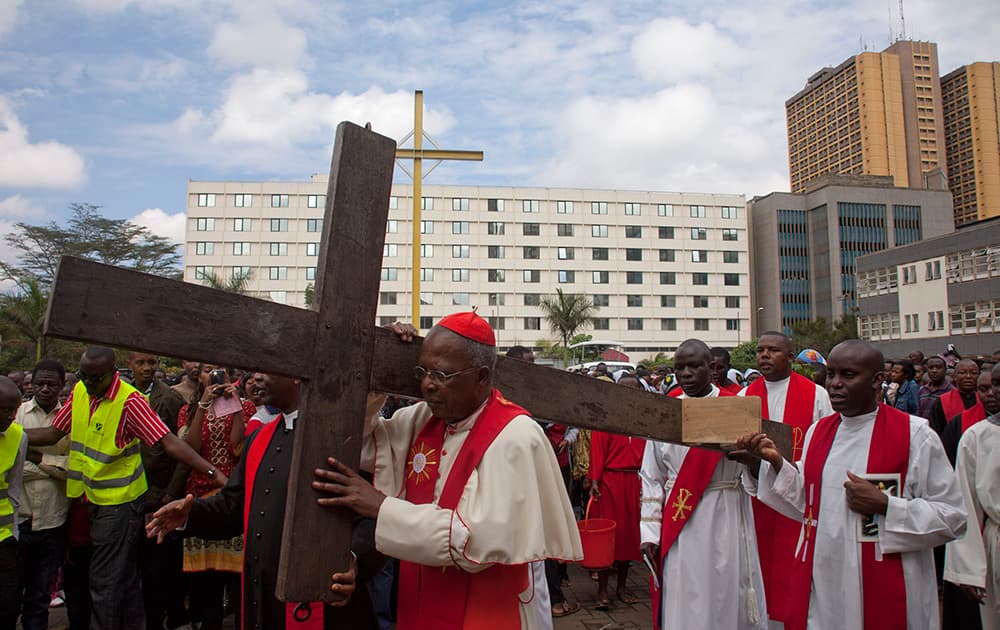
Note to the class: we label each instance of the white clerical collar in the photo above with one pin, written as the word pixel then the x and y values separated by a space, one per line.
pixel 290 418
pixel 865 417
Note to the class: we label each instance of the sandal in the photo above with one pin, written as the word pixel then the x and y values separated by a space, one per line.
pixel 604 603
pixel 565 608
pixel 627 598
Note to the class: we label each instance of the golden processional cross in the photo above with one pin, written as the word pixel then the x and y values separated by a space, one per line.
pixel 418 154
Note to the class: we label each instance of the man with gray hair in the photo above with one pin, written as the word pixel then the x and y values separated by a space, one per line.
pixel 466 493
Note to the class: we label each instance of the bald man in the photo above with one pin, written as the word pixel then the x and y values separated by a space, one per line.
pixel 874 494
pixel 959 399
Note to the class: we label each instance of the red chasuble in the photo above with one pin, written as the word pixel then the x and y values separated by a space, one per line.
pixel 776 533
pixel 972 415
pixel 882 583
pixel 692 480
pixel 440 597
pixel 614 466
pixel 314 620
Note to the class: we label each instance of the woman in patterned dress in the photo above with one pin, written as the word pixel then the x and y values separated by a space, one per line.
pixel 214 565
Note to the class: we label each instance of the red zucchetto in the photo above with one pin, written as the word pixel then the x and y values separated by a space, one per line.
pixel 471 326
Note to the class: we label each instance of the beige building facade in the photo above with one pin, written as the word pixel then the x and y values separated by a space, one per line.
pixel 971 104
pixel 661 266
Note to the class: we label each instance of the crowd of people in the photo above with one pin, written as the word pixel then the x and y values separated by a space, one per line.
pixel 138 500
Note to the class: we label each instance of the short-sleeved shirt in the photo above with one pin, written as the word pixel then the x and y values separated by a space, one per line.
pixel 139 421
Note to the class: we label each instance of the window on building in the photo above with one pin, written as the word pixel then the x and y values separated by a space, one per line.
pixel 698 212
pixel 730 234
pixel 426 250
pixel 279 201
pixel 668 277
pixel 565 253
pixel 564 229
pixel 389 273
pixel 316 201
pixel 600 277
pixel 460 251
pixel 633 253
pixel 699 255
pixel 730 257
pixel 664 210
pixel 426 275
pixel 392 226
pixel 531 229
pixel 496 299
pixel 634 323
pixel 666 231
pixel 633 277
pixel 601 299
pixel 633 231
pixel 279 225
pixel 731 279
pixel 280 297
pixel 206 200
pixel 729 212
pixel 241 249
pixel 700 324
pixel 633 209
pixel 387 297
pixel 312 249
pixel 426 227
pixel 599 231
pixel 564 207
pixel 529 205
pixel 460 275
pixel 202 272
pixel 277 273
pixel 241 272
pixel 243 200
pixel 732 324
pixel 700 279
pixel 566 276
pixel 203 248
pixel 732 301
pixel 393 203
pixel 699 301
pixel 426 322
pixel 699 234
pixel 495 228
pixel 495 251
pixel 532 252
pixel 460 204
pixel 279 249
pixel 242 225
pixel 598 207
pixel 668 301
pixel 459 227
pixel 310 273
pixel 314 225
pixel 668 323
pixel 495 275
pixel 668 255
pixel 494 205
pixel 532 299
pixel 633 300
pixel 601 323
pixel 933 270
pixel 204 224
pixel 532 275
pixel 427 203
pixel 532 323
pixel 599 253
pixel 459 299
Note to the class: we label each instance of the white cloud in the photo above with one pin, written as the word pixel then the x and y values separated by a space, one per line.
pixel 160 223
pixel 8 15
pixel 259 38
pixel 17 207
pixel 40 165
pixel 672 50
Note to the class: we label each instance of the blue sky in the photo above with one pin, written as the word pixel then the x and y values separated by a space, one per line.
pixel 120 102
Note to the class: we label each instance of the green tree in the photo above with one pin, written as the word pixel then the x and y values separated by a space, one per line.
pixel 821 335
pixel 310 296
pixel 237 283
pixel 744 355
pixel 22 315
pixel 567 313
pixel 88 234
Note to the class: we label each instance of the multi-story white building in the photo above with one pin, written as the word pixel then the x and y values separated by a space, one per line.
pixel 662 267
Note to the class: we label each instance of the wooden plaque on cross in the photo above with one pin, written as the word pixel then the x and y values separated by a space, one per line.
pixel 340 357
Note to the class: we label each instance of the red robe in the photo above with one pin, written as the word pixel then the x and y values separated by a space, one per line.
pixel 614 467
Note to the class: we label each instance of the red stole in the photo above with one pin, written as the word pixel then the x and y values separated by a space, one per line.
pixel 883 587
pixel 692 480
pixel 776 533
pixel 440 597
pixel 952 404
pixel 732 388
pixel 972 415
pixel 254 454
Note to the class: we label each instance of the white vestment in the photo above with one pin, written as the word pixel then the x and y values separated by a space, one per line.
pixel 514 509
pixel 777 391
pixel 708 573
pixel 975 559
pixel 929 513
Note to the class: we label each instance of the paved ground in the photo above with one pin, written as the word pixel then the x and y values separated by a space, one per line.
pixel 582 589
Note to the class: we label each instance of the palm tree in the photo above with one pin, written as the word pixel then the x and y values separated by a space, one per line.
pixel 23 314
pixel 567 313
pixel 239 282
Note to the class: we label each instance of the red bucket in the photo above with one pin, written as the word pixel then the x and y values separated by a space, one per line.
pixel 597 535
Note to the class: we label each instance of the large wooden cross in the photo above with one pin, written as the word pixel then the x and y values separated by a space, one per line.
pixel 340 356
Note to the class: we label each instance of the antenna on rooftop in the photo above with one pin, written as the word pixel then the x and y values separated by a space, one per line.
pixel 888 6
pixel 902 22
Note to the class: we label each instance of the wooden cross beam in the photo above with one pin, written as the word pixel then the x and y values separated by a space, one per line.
pixel 340 357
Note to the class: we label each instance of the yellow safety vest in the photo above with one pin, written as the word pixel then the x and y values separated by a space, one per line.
pixel 109 475
pixel 10 444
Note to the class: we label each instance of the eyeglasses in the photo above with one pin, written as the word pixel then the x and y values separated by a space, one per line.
pixel 437 376
pixel 93 378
